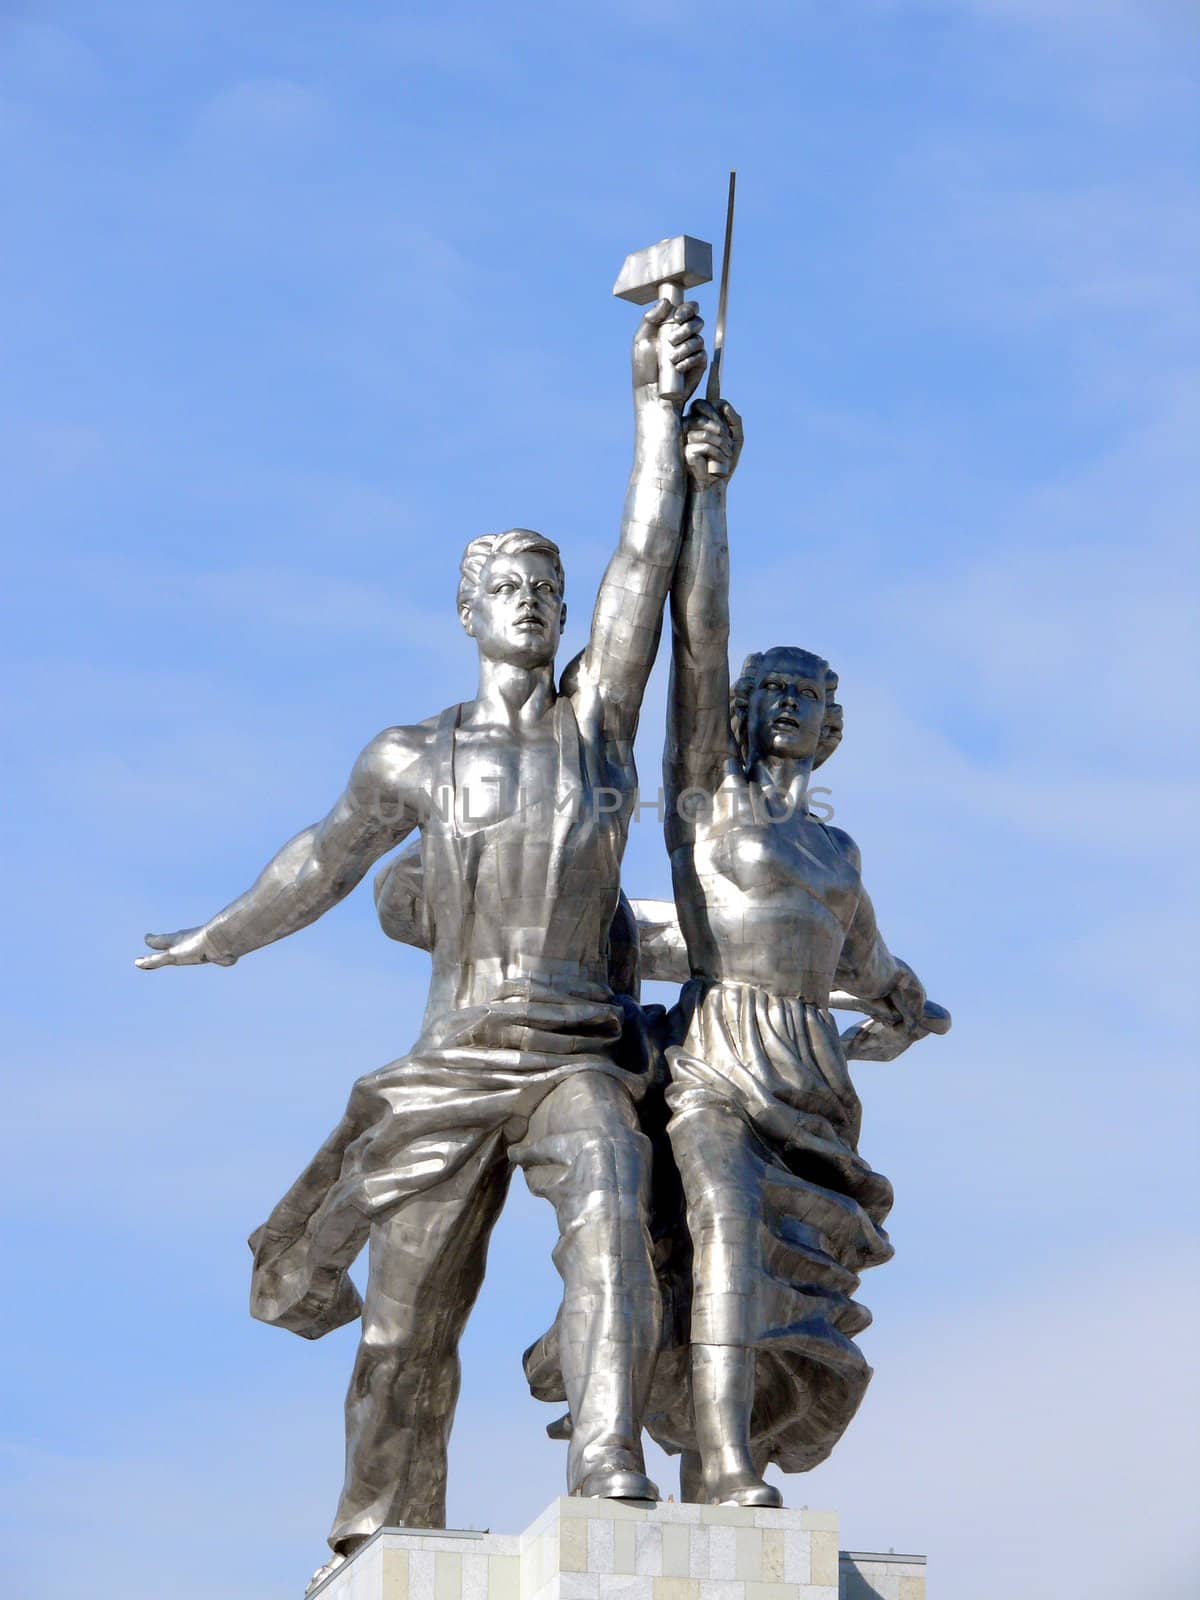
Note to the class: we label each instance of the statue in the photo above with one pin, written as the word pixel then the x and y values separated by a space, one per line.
pixel 782 1212
pixel 714 1213
pixel 523 798
pixel 765 1214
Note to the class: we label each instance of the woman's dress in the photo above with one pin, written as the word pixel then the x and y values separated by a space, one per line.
pixel 783 1215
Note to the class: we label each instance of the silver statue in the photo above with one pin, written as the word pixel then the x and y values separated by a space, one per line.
pixel 523 798
pixel 782 1213
pixel 764 1214
pixel 714 1213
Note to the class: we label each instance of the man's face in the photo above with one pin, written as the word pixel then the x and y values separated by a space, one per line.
pixel 517 612
pixel 787 706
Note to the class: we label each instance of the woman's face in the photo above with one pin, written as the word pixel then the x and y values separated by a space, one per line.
pixel 787 705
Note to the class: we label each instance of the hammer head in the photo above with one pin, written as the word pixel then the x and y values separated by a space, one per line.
pixel 684 261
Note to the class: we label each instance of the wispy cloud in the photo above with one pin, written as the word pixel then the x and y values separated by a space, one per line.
pixel 274 598
pixel 294 311
pixel 261 115
pixel 1046 1407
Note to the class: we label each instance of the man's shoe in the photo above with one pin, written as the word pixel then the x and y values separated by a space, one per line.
pixel 617 1483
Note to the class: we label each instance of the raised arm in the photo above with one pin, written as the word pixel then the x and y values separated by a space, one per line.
pixel 314 870
pixel 699 740
pixel 627 621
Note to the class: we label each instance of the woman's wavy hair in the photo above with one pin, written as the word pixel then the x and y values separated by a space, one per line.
pixel 739 700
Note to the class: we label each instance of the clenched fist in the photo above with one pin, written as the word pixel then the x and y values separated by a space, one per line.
pixel 712 443
pixel 668 336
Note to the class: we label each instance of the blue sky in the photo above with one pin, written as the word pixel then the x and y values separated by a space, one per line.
pixel 296 301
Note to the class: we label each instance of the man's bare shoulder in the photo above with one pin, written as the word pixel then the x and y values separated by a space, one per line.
pixel 394 769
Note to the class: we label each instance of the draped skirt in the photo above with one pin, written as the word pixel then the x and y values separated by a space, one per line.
pixel 780 1216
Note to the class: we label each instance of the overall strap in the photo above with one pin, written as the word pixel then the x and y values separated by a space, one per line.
pixel 443 764
pixel 440 856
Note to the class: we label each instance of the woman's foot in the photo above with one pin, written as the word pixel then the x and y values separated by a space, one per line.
pixel 744 1489
pixel 723 1404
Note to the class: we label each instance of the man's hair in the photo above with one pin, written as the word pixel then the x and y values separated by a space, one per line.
pixel 516 542
pixel 739 699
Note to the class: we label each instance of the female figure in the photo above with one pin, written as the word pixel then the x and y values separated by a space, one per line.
pixel 782 1212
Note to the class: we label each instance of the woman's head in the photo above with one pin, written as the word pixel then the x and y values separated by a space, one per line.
pixel 783 705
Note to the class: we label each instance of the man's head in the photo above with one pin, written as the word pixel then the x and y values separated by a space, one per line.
pixel 510 596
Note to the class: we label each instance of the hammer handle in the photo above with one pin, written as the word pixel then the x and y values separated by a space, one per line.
pixel 670 380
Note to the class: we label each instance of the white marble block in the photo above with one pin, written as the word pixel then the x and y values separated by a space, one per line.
pixel 867 1575
pixel 614 1550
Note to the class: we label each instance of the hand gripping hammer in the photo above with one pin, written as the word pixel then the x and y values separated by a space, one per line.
pixel 662 272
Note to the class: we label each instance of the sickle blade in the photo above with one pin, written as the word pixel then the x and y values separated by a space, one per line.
pixel 713 392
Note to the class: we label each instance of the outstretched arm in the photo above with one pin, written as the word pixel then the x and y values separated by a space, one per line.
pixel 627 621
pixel 899 1013
pixel 662 947
pixel 867 968
pixel 698 731
pixel 314 870
pixel 887 990
pixel 869 971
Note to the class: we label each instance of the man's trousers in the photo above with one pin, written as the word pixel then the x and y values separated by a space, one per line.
pixel 580 1148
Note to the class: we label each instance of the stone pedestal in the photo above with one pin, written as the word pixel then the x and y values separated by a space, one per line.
pixel 613 1550
pixel 869 1575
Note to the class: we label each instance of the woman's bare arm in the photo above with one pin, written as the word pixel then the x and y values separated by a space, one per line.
pixel 699 742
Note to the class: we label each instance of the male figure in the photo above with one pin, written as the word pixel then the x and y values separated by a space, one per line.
pixel 518 1061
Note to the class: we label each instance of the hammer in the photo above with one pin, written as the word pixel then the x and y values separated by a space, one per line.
pixel 662 272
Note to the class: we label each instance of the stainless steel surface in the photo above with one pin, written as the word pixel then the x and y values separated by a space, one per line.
pixel 663 271
pixel 764 1212
pixel 712 391
pixel 524 1056
pixel 683 260
pixel 781 1210
pixel 714 1212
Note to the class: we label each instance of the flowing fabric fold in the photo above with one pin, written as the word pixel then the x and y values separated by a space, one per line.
pixel 415 1123
pixel 782 1212
pixel 764 1216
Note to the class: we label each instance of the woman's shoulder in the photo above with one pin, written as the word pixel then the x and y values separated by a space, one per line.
pixel 844 844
